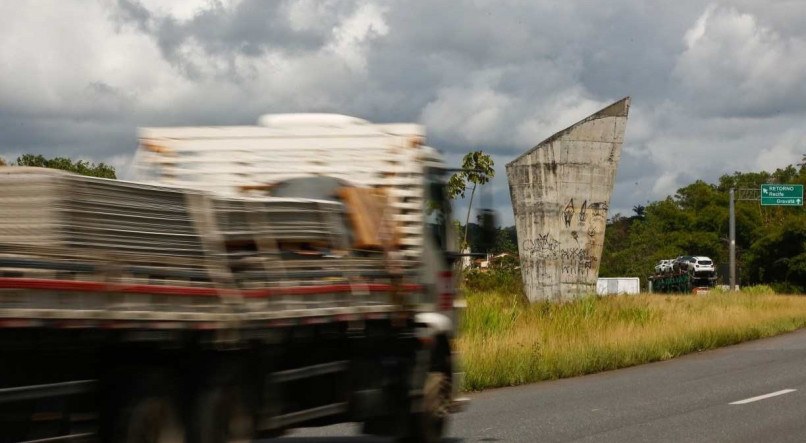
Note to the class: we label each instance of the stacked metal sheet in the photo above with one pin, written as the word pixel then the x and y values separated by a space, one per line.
pixel 27 206
pixel 262 241
pixel 48 208
pixel 141 242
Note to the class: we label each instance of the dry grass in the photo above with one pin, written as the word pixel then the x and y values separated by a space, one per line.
pixel 506 342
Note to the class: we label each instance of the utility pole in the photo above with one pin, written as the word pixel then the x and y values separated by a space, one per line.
pixel 744 194
pixel 732 241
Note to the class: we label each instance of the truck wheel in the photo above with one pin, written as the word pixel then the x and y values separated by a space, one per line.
pixel 221 416
pixel 428 425
pixel 152 420
pixel 140 406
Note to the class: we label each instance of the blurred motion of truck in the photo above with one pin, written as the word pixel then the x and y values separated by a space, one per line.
pixel 254 279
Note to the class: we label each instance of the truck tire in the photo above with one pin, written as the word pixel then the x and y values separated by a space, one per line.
pixel 151 419
pixel 428 425
pixel 221 416
pixel 139 405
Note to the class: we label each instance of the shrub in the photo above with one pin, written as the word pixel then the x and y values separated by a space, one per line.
pixel 758 289
pixel 501 280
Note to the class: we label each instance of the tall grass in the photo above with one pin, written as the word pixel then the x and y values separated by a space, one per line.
pixel 505 341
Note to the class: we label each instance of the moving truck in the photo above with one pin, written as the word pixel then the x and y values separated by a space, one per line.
pixel 252 279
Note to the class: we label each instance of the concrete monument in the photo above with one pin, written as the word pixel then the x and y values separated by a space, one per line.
pixel 560 195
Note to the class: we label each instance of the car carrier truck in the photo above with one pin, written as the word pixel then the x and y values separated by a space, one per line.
pixel 684 274
pixel 251 280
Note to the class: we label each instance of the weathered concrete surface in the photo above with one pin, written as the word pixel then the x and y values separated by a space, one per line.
pixel 560 195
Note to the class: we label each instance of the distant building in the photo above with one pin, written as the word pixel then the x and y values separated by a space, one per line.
pixel 618 285
pixel 466 260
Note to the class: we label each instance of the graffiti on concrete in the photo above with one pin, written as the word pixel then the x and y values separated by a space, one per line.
pixel 576 261
pixel 599 209
pixel 538 255
pixel 583 214
pixel 538 265
pixel 544 246
pixel 568 213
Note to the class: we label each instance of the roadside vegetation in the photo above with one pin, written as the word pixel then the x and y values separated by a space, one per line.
pixel 504 341
pixel 770 240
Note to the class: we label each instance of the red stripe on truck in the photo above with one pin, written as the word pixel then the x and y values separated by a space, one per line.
pixel 89 286
pixel 92 286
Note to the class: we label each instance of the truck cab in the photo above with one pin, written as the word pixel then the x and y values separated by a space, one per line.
pixel 391 159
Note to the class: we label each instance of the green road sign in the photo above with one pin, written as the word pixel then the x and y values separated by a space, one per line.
pixel 781 195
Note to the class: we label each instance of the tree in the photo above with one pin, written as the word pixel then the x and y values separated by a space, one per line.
pixel 779 257
pixel 82 167
pixel 506 240
pixel 770 241
pixel 477 168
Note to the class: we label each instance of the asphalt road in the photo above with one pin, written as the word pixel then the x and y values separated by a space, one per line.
pixel 753 392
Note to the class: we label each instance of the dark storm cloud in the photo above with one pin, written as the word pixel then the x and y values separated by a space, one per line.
pixel 715 87
pixel 64 136
pixel 251 28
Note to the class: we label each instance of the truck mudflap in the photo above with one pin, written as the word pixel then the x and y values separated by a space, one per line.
pixel 435 324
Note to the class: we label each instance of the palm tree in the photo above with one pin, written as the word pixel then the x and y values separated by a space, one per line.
pixel 477 168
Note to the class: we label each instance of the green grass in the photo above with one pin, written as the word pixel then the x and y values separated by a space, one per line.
pixel 505 341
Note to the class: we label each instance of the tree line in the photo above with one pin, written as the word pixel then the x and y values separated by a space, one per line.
pixel 82 167
pixel 770 240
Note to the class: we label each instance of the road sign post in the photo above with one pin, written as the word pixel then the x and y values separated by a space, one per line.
pixel 771 194
pixel 732 248
pixel 781 195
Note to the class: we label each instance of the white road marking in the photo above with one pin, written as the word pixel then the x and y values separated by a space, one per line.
pixel 762 397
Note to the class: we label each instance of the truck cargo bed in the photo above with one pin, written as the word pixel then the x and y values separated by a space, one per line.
pixel 84 251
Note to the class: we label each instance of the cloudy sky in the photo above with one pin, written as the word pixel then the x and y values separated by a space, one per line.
pixel 716 86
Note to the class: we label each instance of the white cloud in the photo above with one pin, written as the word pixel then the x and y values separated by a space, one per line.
pixel 467 114
pixel 184 9
pixel 308 14
pixel 716 87
pixel 666 184
pixel 63 60
pixel 735 65
pixel 480 113
pixel 557 113
pixel 695 33
pixel 353 34
pixel 788 150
